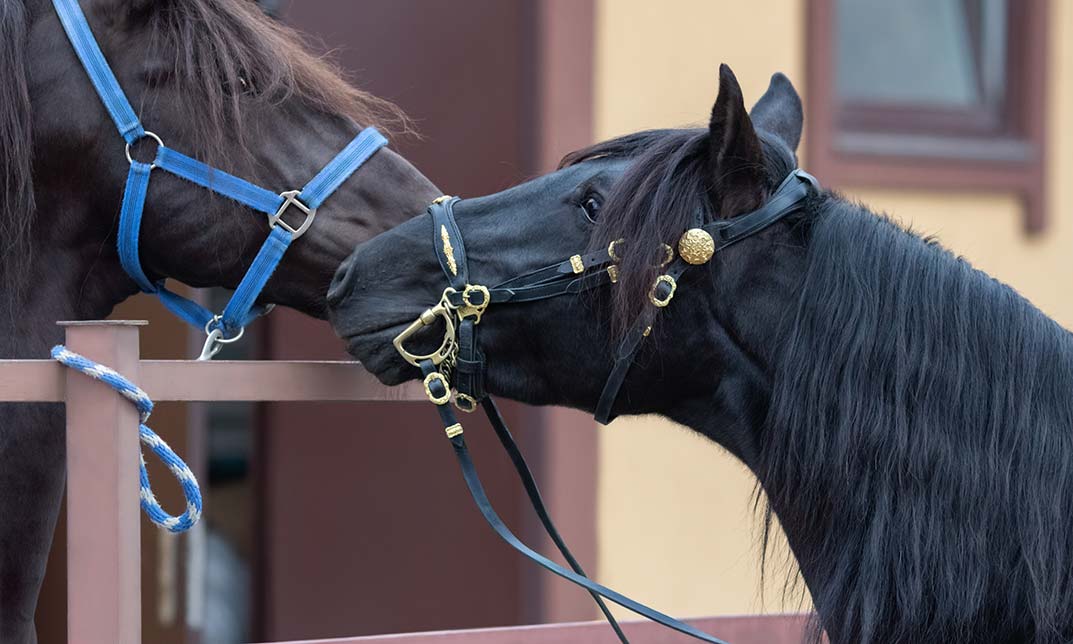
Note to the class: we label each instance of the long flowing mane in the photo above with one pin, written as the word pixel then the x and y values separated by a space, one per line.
pixel 211 45
pixel 16 173
pixel 228 57
pixel 921 432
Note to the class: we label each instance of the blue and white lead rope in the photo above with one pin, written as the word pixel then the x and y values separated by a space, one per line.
pixel 141 400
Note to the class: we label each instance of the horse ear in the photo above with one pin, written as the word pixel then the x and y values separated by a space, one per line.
pixel 735 158
pixel 779 112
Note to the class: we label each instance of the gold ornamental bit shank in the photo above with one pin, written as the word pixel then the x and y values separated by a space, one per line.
pixel 428 317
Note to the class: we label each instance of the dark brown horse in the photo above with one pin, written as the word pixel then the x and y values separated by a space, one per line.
pixel 220 81
pixel 908 418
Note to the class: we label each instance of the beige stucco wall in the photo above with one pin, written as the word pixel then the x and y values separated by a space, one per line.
pixel 675 519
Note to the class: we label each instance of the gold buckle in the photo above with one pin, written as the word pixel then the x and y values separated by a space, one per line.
pixel 668 255
pixel 577 264
pixel 454 430
pixel 612 272
pixel 468 308
pixel 470 405
pixel 666 279
pixel 611 250
pixel 437 376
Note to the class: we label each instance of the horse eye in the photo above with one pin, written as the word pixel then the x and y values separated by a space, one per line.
pixel 591 205
pixel 244 85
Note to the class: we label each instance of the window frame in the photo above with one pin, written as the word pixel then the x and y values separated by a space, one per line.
pixel 935 148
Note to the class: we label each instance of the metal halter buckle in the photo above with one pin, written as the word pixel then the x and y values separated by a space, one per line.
pixel 440 311
pixel 436 376
pixel 147 135
pixel 666 279
pixel 290 198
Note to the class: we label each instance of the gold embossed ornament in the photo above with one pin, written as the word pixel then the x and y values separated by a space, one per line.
pixel 696 246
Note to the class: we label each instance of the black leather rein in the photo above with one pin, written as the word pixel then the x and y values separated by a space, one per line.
pixel 459 360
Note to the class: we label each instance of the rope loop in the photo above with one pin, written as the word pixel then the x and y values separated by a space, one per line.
pixel 144 405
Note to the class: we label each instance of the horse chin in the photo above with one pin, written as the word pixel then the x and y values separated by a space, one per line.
pixel 378 356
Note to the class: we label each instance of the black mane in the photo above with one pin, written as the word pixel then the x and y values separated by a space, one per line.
pixel 228 57
pixel 16 148
pixel 657 199
pixel 922 414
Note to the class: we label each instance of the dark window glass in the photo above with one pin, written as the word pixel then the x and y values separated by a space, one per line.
pixel 929 93
pixel 922 53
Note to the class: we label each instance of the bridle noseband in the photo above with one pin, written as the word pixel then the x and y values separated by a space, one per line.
pixel 459 363
pixel 242 308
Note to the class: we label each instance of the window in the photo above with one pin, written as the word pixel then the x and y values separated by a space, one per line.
pixel 929 94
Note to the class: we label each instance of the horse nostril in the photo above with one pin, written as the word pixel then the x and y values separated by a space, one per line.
pixel 340 286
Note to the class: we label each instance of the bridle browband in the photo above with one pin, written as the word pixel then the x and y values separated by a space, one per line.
pixel 460 363
pixel 242 308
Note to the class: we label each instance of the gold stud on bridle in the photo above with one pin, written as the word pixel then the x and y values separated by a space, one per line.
pixel 696 246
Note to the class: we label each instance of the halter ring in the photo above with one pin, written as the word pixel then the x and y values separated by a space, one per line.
pixel 210 326
pixel 147 135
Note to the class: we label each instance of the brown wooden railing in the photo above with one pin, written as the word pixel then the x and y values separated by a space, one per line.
pixel 103 515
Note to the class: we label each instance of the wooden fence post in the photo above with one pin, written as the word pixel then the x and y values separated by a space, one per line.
pixel 103 546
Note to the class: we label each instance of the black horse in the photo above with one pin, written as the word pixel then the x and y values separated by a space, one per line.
pixel 218 80
pixel 907 417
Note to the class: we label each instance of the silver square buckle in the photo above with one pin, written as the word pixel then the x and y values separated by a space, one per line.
pixel 291 199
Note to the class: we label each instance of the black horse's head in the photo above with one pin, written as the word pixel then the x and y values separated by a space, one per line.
pixel 217 80
pixel 645 188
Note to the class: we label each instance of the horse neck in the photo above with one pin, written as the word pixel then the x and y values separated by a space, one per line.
pixel 74 278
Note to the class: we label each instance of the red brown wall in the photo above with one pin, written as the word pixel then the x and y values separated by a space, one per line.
pixel 368 526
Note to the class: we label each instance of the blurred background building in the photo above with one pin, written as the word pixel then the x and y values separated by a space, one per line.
pixel 947 114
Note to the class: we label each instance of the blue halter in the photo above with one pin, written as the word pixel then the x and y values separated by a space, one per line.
pixel 241 309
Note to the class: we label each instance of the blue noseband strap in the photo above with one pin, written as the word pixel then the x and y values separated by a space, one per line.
pixel 241 309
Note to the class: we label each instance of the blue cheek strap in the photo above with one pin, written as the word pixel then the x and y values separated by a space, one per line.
pixel 281 209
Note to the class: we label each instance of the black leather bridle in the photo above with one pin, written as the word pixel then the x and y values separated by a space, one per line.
pixel 459 360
